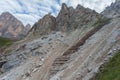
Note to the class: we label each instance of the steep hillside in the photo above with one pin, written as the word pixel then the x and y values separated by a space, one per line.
pixel 71 46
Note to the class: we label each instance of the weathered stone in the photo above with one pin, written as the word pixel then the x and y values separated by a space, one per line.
pixel 62 19
pixel 36 53
pixel 113 10
pixel 10 27
pixel 44 26
pixel 2 63
pixel 26 29
pixel 67 20
pixel 70 19
pixel 9 65
pixel 34 70
pixel 27 74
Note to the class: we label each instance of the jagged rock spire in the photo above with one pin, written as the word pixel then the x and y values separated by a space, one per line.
pixel 67 20
pixel 117 0
pixel 113 10
pixel 63 18
pixel 44 25
pixel 64 6
pixel 79 6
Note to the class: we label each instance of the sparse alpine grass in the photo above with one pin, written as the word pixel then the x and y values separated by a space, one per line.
pixel 110 70
pixel 101 22
pixel 5 42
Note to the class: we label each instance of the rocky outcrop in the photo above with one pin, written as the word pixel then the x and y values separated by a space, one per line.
pixel 10 27
pixel 113 10
pixel 44 26
pixel 26 29
pixel 39 47
pixel 68 19
pixel 62 19
pixel 71 19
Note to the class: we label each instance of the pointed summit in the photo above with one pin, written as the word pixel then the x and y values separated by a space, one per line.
pixel 10 27
pixel 43 26
pixel 26 29
pixel 117 0
pixel 64 6
pixel 67 20
pixel 63 18
pixel 64 9
pixel 113 10
pixel 6 13
pixel 79 7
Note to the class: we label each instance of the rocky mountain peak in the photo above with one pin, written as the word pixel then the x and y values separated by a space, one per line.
pixel 63 18
pixel 79 7
pixel 70 18
pixel 44 25
pixel 26 29
pixel 67 20
pixel 28 26
pixel 64 7
pixel 10 27
pixel 113 10
pixel 117 0
pixel 6 14
pixel 47 18
pixel 64 10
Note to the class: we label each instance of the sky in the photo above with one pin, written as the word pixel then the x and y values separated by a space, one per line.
pixel 30 11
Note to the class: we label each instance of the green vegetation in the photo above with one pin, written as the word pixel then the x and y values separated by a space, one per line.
pixel 5 42
pixel 111 70
pixel 101 22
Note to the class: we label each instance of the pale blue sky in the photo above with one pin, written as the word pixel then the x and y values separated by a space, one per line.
pixel 29 11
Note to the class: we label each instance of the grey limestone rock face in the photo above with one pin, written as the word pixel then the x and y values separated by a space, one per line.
pixel 113 10
pixel 68 19
pixel 44 26
pixel 26 29
pixel 117 0
pixel 63 17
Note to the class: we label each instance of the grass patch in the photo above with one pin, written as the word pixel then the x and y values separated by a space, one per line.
pixel 5 42
pixel 110 70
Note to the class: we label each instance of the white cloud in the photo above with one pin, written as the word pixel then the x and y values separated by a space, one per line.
pixel 29 11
